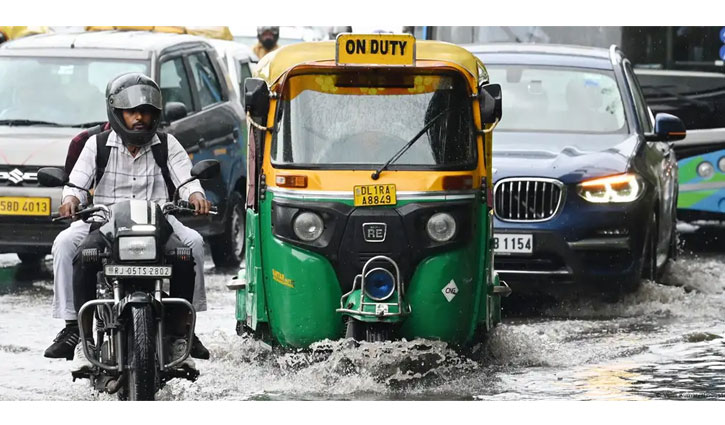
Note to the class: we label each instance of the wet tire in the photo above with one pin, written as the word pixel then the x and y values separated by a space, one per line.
pixel 227 249
pixel 649 254
pixel 28 259
pixel 141 355
pixel 370 332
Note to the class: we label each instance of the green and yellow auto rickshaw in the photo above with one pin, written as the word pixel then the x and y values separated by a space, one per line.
pixel 369 197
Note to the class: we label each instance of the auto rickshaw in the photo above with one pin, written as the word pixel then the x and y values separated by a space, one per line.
pixel 369 206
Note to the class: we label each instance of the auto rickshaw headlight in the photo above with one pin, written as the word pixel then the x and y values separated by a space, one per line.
pixel 441 227
pixel 308 226
pixel 379 284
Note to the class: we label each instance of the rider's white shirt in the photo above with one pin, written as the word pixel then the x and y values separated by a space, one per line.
pixel 128 177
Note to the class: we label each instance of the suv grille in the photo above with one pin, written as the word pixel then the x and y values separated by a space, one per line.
pixel 527 199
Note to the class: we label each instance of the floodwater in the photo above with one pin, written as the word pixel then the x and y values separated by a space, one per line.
pixel 663 342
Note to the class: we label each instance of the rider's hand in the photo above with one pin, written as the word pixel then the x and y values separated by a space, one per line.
pixel 69 206
pixel 201 205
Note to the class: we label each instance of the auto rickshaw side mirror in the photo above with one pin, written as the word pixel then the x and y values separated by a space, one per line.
pixel 256 99
pixel 52 177
pixel 489 100
pixel 668 128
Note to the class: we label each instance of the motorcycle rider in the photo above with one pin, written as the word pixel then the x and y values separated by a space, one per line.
pixel 268 37
pixel 133 107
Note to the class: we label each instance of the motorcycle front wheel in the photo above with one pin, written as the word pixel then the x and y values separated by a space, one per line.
pixel 140 354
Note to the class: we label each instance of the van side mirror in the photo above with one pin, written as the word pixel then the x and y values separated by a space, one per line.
pixel 52 177
pixel 489 100
pixel 668 128
pixel 256 99
pixel 174 111
pixel 206 169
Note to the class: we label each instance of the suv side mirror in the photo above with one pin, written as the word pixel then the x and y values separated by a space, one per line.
pixel 52 177
pixel 206 169
pixel 489 100
pixel 175 111
pixel 256 99
pixel 669 128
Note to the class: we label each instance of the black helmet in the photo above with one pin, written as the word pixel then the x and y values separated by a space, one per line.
pixel 3 37
pixel 129 91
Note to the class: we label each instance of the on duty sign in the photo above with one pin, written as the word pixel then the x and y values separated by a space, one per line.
pixel 375 49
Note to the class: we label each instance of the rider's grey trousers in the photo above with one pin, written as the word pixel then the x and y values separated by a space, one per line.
pixel 67 242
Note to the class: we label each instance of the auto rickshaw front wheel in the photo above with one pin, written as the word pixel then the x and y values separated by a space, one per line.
pixel 370 332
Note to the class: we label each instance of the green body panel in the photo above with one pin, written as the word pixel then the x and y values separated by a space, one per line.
pixel 297 292
pixel 433 316
pixel 688 199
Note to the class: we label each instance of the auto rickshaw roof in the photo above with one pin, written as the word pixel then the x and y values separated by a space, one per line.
pixel 278 62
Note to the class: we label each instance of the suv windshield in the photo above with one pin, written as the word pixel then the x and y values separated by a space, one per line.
pixel 356 119
pixel 65 91
pixel 557 99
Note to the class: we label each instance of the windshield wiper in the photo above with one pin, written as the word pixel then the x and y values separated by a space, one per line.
pixel 89 124
pixel 29 122
pixel 407 146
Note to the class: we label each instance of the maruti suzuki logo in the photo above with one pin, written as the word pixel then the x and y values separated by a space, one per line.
pixel 16 176
pixel 374 232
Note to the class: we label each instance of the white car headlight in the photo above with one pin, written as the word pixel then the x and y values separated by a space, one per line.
pixel 308 226
pixel 619 188
pixel 441 227
pixel 137 248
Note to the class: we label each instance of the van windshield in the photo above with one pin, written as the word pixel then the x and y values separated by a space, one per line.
pixel 62 91
pixel 360 120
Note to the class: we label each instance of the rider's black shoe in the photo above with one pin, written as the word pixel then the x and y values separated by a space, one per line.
pixel 198 351
pixel 63 344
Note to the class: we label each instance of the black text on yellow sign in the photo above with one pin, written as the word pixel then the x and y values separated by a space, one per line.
pixel 376 49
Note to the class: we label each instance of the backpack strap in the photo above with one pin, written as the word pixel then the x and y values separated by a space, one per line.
pixel 161 156
pixel 102 154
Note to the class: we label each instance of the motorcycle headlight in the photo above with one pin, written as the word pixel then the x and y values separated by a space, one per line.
pixel 441 227
pixel 379 284
pixel 137 248
pixel 619 188
pixel 308 226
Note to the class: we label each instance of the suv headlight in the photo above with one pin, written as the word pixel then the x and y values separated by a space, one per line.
pixel 137 248
pixel 441 227
pixel 619 188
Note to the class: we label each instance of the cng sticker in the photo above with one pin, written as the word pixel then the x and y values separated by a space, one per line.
pixel 281 279
pixel 375 49
pixel 450 291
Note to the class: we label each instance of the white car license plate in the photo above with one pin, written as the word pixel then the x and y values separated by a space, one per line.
pixel 113 270
pixel 513 243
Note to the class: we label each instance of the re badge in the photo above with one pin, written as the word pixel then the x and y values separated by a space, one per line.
pixel 450 291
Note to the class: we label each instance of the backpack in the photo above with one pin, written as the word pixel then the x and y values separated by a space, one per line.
pixel 160 152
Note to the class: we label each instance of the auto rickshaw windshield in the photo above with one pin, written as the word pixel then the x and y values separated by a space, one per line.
pixel 357 119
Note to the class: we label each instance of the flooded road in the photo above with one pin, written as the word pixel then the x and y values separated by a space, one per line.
pixel 663 342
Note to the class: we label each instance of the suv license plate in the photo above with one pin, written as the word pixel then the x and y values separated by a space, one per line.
pixel 137 271
pixel 513 243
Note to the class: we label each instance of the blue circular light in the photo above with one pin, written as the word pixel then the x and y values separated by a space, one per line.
pixel 379 284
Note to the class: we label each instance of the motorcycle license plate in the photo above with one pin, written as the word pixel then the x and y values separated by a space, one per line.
pixel 513 243
pixel 24 206
pixel 374 194
pixel 113 270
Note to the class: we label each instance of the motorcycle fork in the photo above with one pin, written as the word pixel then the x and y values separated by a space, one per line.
pixel 158 290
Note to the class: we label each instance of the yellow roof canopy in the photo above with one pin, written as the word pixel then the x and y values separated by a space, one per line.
pixel 276 63
pixel 222 33
pixel 13 32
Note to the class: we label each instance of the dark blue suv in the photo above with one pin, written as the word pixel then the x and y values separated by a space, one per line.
pixel 585 179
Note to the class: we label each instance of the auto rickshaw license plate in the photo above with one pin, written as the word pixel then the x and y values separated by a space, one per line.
pixel 374 194
pixel 24 206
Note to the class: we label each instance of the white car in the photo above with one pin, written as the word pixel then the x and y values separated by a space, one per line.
pixel 239 60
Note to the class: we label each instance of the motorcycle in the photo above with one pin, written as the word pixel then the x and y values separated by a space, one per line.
pixel 130 308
